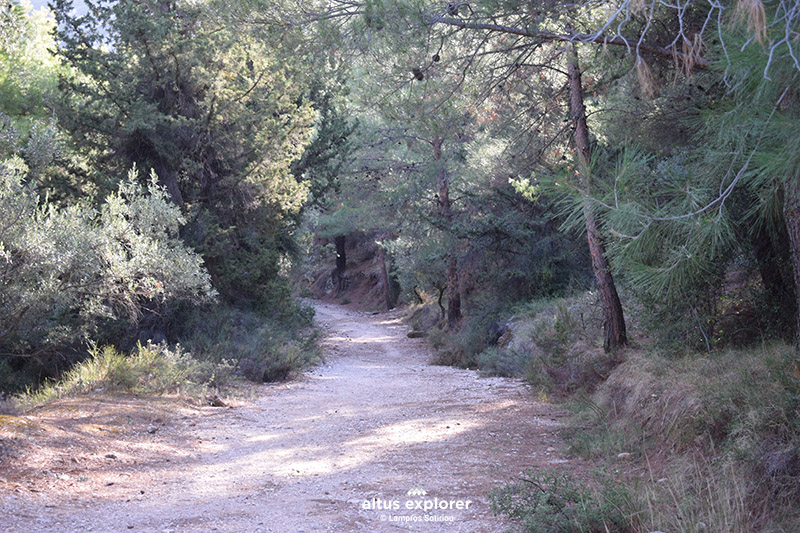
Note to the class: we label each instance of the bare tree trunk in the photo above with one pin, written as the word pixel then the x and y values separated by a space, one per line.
pixel 772 254
pixel 453 294
pixel 341 263
pixel 387 289
pixel 168 178
pixel 791 216
pixel 341 254
pixel 613 318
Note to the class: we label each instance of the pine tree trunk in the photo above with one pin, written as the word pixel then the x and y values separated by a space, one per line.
pixel 341 263
pixel 791 216
pixel 341 254
pixel 613 318
pixel 453 294
pixel 387 289
pixel 772 255
pixel 168 178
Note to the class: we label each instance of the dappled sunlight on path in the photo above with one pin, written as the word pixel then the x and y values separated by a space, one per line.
pixel 375 421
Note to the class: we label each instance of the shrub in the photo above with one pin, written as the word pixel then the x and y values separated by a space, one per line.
pixel 65 271
pixel 261 348
pixel 551 502
pixel 151 369
pixel 552 343
pixel 476 333
pixel 496 361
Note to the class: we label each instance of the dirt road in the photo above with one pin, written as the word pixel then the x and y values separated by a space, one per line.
pixel 339 450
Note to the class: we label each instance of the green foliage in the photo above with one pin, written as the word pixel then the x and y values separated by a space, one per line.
pixel 28 87
pixel 462 348
pixel 66 271
pixel 681 217
pixel 496 361
pixel 549 502
pixel 552 344
pixel 261 348
pixel 28 73
pixel 343 220
pixel 330 151
pixel 215 111
pixel 151 369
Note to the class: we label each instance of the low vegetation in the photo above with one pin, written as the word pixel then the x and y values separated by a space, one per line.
pixel 149 370
pixel 558 502
pixel 124 219
pixel 691 441
pixel 259 348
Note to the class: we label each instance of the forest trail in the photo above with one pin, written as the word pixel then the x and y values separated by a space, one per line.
pixel 373 422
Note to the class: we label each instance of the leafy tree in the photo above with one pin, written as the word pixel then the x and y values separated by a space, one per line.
pixel 28 90
pixel 331 149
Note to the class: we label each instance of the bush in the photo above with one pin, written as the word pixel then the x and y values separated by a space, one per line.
pixel 460 348
pixel 151 369
pixel 552 343
pixel 261 348
pixel 477 332
pixel 496 361
pixel 66 271
pixel 551 502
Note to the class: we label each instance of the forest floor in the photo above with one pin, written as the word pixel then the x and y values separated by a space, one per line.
pixel 328 452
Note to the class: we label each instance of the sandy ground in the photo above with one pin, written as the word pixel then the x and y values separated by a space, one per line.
pixel 338 450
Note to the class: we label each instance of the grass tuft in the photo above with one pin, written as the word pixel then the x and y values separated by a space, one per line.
pixel 553 502
pixel 719 433
pixel 151 369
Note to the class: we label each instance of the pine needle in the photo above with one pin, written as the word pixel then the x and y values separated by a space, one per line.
pixel 647 81
pixel 752 13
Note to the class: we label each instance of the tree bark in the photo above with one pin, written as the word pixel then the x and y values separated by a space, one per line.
pixel 772 255
pixel 341 254
pixel 168 178
pixel 613 318
pixel 791 216
pixel 387 289
pixel 453 294
pixel 341 263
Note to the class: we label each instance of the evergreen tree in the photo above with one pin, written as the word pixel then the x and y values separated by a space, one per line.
pixel 213 111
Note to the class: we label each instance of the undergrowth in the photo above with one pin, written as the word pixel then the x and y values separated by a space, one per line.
pixel 717 437
pixel 261 348
pixel 557 502
pixel 217 348
pixel 151 369
pixel 696 441
pixel 551 343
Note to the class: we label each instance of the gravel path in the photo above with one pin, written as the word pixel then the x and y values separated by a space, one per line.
pixel 338 450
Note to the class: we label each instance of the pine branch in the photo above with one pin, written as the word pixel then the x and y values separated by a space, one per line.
pixel 598 38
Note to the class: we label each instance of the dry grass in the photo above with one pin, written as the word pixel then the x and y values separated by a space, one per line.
pixel 752 14
pixel 151 370
pixel 83 444
pixel 647 81
pixel 718 437
pixel 694 496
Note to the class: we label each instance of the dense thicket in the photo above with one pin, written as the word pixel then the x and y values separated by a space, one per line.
pixel 213 111
pixel 150 172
